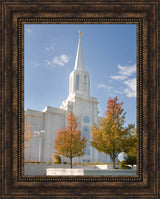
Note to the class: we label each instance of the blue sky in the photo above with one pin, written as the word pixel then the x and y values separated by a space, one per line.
pixel 109 54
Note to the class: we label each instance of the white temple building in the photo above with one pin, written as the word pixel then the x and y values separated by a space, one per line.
pixel 45 123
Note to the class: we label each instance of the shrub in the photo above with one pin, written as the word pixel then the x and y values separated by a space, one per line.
pixel 56 159
pixel 123 165
pixel 64 162
pixel 78 163
pixel 130 160
pixel 49 162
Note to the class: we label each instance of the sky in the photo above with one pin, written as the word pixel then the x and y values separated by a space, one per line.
pixel 110 58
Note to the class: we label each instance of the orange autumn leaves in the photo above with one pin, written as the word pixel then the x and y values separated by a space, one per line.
pixel 69 141
pixel 111 137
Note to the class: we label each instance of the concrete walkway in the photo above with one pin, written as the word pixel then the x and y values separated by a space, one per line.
pixel 90 172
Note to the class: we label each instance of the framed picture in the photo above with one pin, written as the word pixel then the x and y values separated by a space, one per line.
pixel 43 64
pixel 58 59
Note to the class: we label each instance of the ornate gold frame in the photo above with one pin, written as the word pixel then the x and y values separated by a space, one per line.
pixel 14 14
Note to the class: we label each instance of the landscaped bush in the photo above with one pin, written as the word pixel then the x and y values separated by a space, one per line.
pixel 56 159
pixel 127 160
pixel 64 162
pixel 78 163
pixel 130 160
pixel 49 162
pixel 123 165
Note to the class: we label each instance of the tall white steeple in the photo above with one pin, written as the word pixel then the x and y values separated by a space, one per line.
pixel 79 63
pixel 79 82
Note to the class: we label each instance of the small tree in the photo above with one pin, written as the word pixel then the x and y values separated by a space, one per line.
pixel 111 137
pixel 69 141
pixel 27 132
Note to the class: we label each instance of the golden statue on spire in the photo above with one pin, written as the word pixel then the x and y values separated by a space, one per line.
pixel 79 33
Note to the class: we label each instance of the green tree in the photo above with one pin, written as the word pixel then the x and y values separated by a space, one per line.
pixel 69 141
pixel 111 137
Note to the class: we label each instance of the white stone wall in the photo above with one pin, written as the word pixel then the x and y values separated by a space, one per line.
pixel 36 119
pixel 54 121
pixel 41 148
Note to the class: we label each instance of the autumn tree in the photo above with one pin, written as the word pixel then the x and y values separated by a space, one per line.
pixel 27 132
pixel 111 137
pixel 69 141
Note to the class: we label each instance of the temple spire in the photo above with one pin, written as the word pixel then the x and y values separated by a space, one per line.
pixel 79 63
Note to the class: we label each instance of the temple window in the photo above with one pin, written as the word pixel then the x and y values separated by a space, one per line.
pixel 77 82
pixel 85 83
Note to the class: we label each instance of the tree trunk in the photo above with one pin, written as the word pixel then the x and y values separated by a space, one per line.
pixel 106 157
pixel 71 162
pixel 114 163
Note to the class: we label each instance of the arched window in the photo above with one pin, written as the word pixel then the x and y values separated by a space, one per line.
pixel 85 83
pixel 77 82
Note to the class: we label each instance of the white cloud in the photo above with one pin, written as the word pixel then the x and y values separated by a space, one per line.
pixel 104 86
pixel 124 73
pixel 64 58
pixel 28 30
pixel 118 77
pixel 60 61
pixel 110 89
pixel 131 87
pixel 127 70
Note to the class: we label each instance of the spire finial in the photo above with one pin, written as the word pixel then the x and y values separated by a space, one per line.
pixel 79 33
